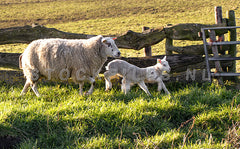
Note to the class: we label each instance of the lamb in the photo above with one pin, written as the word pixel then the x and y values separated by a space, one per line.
pixel 132 74
pixel 162 66
pixel 61 59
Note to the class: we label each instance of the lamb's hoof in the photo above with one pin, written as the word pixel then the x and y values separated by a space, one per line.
pixel 87 93
pixel 107 90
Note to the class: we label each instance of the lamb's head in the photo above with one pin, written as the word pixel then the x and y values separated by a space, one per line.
pixel 162 65
pixel 110 47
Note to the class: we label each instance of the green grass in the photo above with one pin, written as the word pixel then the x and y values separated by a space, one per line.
pixel 63 119
pixel 194 116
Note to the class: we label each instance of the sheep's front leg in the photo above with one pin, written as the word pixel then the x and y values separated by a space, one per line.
pixel 144 87
pixel 81 88
pixel 161 86
pixel 90 91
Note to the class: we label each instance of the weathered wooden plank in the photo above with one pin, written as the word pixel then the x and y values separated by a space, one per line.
pixel 194 49
pixel 177 62
pixel 129 40
pixel 215 54
pixel 9 60
pixel 26 34
pixel 190 31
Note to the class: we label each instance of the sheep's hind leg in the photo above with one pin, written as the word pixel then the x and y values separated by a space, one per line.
pixel 25 88
pixel 81 88
pixel 90 91
pixel 34 88
pixel 144 87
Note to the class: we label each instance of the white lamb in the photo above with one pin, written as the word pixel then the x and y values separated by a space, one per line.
pixel 132 74
pixel 162 66
pixel 60 59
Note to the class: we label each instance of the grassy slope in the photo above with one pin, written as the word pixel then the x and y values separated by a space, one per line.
pixel 62 119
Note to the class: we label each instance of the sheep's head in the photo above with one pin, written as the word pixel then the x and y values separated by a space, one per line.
pixel 110 47
pixel 162 65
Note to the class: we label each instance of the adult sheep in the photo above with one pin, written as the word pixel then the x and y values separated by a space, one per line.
pixel 60 59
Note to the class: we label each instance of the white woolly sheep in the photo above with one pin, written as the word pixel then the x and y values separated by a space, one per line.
pixel 132 74
pixel 61 59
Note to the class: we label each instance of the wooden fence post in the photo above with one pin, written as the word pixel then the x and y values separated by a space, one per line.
pixel 148 49
pixel 219 20
pixel 232 36
pixel 168 44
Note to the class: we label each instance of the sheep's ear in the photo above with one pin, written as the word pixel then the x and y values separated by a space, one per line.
pixel 159 61
pixel 104 40
pixel 164 58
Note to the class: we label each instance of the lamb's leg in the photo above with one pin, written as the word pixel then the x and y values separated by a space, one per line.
pixel 160 85
pixel 81 88
pixel 126 85
pixel 144 87
pixel 34 88
pixel 90 91
pixel 164 87
pixel 25 88
pixel 107 76
pixel 123 88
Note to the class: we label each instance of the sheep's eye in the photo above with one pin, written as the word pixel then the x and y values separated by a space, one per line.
pixel 152 72
pixel 109 44
pixel 164 65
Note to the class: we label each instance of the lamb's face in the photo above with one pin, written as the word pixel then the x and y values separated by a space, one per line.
pixel 110 47
pixel 165 66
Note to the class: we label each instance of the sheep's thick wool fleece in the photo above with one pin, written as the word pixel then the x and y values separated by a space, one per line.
pixel 84 57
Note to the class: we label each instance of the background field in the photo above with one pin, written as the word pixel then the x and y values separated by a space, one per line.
pixel 194 116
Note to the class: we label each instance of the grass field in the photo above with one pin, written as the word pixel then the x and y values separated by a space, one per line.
pixel 194 116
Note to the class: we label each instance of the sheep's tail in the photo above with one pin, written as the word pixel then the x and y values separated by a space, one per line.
pixel 20 61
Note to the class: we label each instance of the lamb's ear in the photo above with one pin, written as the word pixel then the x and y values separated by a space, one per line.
pixel 159 61
pixel 165 57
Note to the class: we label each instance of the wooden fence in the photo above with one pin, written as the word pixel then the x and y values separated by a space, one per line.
pixel 188 62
